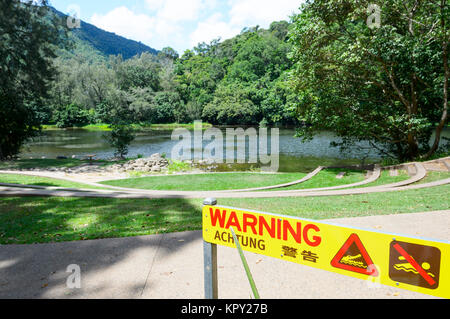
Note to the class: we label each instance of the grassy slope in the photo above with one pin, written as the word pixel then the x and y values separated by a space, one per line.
pixel 327 178
pixel 386 178
pixel 29 220
pixel 434 176
pixel 201 182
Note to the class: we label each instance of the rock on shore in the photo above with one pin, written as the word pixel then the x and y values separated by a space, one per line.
pixel 154 163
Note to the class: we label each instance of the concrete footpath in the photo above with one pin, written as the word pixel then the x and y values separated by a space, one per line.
pixel 171 266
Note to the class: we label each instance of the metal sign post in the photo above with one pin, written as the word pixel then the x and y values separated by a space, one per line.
pixel 210 263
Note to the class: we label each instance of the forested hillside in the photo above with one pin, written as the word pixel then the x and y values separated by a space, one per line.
pixel 93 43
pixel 237 81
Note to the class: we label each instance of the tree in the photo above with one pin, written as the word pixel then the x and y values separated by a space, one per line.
pixel 29 38
pixel 388 85
pixel 259 55
pixel 122 133
pixel 119 138
pixel 141 71
pixel 280 29
pixel 167 58
pixel 168 108
pixel 169 53
pixel 232 105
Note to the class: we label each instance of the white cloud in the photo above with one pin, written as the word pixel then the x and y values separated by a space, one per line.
pixel 122 21
pixel 248 13
pixel 154 5
pixel 176 10
pixel 212 28
pixel 171 17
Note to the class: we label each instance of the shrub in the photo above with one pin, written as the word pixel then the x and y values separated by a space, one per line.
pixel 120 138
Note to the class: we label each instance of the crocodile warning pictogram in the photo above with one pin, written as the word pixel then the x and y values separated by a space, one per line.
pixel 354 257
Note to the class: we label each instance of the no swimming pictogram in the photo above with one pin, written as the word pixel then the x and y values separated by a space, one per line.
pixel 414 264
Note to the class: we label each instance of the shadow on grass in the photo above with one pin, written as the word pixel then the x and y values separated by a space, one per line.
pixel 34 271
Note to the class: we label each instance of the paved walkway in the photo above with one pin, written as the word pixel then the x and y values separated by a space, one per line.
pixel 171 266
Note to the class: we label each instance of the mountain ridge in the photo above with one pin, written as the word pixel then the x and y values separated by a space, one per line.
pixel 105 43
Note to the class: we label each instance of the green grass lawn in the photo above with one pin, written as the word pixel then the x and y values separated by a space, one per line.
pixel 203 182
pixel 434 176
pixel 327 178
pixel 40 220
pixel 386 178
pixel 42 181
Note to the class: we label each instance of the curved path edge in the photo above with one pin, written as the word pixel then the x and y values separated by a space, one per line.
pixel 74 180
pixel 304 179
pixel 375 174
pixel 23 192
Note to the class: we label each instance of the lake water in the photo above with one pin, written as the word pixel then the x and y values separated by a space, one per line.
pixel 294 155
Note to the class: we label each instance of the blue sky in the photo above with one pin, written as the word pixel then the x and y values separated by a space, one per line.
pixel 180 24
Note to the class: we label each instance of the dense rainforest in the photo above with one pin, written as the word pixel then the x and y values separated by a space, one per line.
pixel 237 81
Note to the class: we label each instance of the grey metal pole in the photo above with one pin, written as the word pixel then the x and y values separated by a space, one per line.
pixel 210 263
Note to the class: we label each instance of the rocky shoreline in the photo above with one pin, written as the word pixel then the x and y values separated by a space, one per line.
pixel 153 164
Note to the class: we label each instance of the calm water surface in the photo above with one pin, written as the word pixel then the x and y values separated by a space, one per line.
pixel 294 155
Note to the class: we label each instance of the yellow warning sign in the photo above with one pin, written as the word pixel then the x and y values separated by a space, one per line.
pixel 410 263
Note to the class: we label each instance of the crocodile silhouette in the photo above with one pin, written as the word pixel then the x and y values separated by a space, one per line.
pixel 353 261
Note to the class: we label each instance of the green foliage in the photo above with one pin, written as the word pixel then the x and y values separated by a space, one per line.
pixel 71 116
pixel 160 107
pixel 121 132
pixel 325 70
pixel 138 72
pixel 120 138
pixel 385 84
pixel 28 42
pixel 168 108
pixel 169 53
pixel 236 81
pixel 178 166
pixel 231 105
